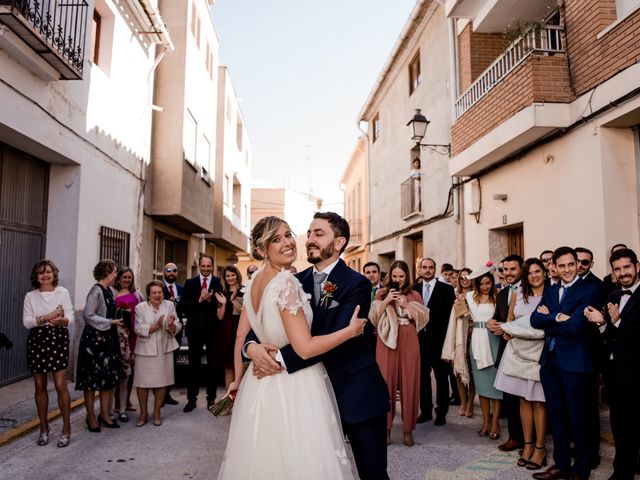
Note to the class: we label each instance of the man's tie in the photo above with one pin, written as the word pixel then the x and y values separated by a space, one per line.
pixel 171 293
pixel 204 283
pixel 427 293
pixel 318 278
pixel 625 292
pixel 563 291
pixel 512 288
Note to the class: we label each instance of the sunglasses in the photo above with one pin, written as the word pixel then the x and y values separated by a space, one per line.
pixel 584 262
pixel 171 270
pixel 546 260
pixel 501 269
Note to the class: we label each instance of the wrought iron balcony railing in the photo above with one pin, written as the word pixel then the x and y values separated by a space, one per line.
pixel 355 230
pixel 54 29
pixel 411 196
pixel 547 39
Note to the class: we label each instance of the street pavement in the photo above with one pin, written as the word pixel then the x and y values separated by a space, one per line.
pixel 190 446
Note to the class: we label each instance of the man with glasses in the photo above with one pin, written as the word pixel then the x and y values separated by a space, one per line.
pixel 172 291
pixel 585 264
pixel 546 257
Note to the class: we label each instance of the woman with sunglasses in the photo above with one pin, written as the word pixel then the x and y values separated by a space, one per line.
pixel 458 341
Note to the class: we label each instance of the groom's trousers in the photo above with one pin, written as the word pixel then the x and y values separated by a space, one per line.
pixel 369 444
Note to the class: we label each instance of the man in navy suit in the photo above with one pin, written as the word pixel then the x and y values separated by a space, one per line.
pixel 199 305
pixel 620 327
pixel 361 392
pixel 172 292
pixel 566 366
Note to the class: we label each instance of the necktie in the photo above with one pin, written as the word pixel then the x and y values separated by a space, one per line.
pixel 427 293
pixel 512 288
pixel 204 283
pixel 318 278
pixel 563 290
pixel 625 292
pixel 171 291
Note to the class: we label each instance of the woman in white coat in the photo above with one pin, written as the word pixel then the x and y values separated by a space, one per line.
pixel 156 328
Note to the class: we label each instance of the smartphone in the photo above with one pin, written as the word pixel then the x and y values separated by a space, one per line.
pixel 395 286
pixel 239 294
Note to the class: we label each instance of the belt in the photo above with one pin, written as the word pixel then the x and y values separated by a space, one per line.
pixel 479 324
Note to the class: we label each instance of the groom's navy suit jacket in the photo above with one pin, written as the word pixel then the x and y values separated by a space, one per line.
pixel 569 339
pixel 360 390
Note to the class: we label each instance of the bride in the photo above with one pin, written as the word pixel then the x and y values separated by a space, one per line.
pixel 284 426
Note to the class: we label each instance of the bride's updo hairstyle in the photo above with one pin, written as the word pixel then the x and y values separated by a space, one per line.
pixel 263 234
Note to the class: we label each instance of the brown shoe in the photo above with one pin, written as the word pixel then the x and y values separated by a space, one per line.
pixel 552 473
pixel 510 445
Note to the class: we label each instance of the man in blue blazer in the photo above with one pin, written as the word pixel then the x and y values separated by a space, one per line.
pixel 566 366
pixel 361 392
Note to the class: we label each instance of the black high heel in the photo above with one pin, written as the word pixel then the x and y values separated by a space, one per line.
pixel 104 423
pixel 93 429
pixel 537 466
pixel 522 462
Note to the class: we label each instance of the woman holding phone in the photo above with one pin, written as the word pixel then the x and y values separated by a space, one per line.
pixel 398 314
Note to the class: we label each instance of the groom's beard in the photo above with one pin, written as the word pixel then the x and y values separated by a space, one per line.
pixel 324 254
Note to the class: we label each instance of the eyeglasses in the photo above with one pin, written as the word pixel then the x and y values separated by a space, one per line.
pixel 584 262
pixel 171 270
pixel 546 260
pixel 501 269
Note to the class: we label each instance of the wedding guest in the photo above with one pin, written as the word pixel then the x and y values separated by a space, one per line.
pixel 512 272
pixel 199 305
pixel 610 283
pixel 519 370
pixel 127 298
pixel 453 278
pixel 484 349
pixel 47 313
pixel 456 348
pixel 371 270
pixel 445 273
pixel 438 297
pixel 251 269
pixel 499 277
pixel 546 257
pixel 172 292
pixel 566 366
pixel 156 328
pixel 228 312
pixel 99 363
pixel 619 327
pixel 398 315
pixel 416 181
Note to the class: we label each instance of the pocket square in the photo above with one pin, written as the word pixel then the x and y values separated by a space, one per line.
pixel 333 304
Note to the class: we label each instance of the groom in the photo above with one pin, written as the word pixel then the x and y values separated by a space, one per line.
pixel 360 390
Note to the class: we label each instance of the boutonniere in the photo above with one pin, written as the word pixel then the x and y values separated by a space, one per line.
pixel 328 289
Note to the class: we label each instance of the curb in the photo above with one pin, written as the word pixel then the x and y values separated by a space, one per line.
pixel 26 427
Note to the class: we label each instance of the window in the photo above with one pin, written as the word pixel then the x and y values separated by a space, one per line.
pixel 190 138
pixel 204 156
pixel 114 244
pixel 239 135
pixel 94 48
pixel 376 127
pixel 225 189
pixel 415 75
pixel 170 249
pixel 228 110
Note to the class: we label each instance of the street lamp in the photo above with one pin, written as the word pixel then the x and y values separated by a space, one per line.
pixel 419 124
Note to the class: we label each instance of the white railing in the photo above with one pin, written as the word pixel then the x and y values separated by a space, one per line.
pixel 547 39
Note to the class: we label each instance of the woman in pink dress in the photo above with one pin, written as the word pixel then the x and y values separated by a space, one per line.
pixel 126 300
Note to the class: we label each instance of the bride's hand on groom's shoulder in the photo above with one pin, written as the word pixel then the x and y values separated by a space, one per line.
pixel 263 357
pixel 357 324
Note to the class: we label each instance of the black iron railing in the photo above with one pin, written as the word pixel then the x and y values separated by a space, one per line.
pixel 61 24
pixel 114 244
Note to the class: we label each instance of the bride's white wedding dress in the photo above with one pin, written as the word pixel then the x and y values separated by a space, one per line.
pixel 284 426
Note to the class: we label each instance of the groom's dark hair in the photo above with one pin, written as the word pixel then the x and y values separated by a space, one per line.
pixel 338 224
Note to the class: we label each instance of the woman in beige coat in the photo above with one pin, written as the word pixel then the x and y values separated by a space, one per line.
pixel 398 315
pixel 156 328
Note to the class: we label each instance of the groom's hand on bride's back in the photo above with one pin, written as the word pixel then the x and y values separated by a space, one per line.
pixel 263 357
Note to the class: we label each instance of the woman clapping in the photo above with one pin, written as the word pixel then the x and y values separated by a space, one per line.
pixel 156 327
pixel 47 314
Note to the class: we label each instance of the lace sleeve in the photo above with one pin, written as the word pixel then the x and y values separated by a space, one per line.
pixel 289 294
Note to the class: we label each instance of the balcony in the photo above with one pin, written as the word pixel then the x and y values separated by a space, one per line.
pixel 55 31
pixel 545 40
pixel 520 98
pixel 411 197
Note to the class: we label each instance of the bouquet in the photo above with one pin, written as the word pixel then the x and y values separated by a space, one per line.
pixel 223 406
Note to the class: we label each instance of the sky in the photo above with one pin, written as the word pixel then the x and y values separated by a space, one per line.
pixel 303 70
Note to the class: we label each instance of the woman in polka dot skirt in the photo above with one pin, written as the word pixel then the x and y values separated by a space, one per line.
pixel 47 314
pixel 99 359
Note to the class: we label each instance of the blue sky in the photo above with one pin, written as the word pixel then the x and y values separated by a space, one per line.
pixel 303 70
